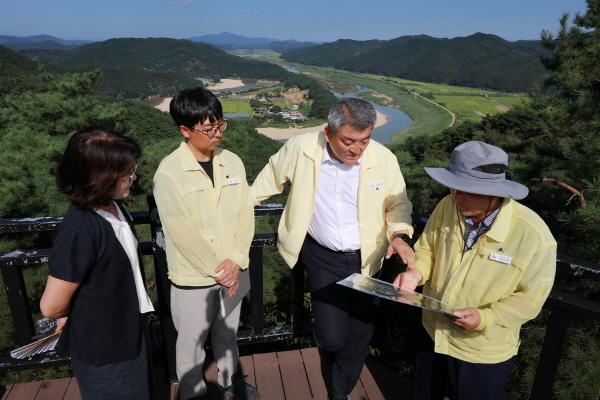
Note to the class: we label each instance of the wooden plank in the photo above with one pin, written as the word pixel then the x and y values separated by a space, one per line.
pixel 247 365
pixel 371 388
pixel 358 393
pixel 53 390
pixel 72 392
pixel 268 377
pixel 312 365
pixel 391 384
pixel 7 390
pixel 381 376
pixel 24 391
pixel 293 375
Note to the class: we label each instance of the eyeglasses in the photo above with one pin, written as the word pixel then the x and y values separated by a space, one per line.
pixel 131 177
pixel 211 130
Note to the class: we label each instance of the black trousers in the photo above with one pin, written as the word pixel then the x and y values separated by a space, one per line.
pixel 439 376
pixel 123 380
pixel 344 318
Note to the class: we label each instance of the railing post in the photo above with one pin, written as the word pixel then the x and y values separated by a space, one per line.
pixel 163 290
pixel 556 333
pixel 256 289
pixel 297 306
pixel 16 294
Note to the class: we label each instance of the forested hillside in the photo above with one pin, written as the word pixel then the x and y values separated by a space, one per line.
pixel 17 73
pixel 135 68
pixel 479 60
pixel 35 126
pixel 181 57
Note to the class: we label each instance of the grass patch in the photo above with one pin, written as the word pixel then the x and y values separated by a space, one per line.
pixel 236 106
pixel 469 108
pixel 439 88
pixel 510 101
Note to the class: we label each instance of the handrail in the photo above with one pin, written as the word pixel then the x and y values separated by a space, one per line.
pixel 563 306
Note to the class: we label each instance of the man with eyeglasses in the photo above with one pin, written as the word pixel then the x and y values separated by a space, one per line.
pixel 346 210
pixel 208 221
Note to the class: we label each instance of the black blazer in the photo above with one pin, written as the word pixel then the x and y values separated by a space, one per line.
pixel 104 323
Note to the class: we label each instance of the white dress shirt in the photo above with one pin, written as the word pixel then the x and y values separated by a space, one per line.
pixel 128 241
pixel 334 222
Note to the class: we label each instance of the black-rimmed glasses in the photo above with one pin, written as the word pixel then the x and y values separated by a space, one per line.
pixel 211 130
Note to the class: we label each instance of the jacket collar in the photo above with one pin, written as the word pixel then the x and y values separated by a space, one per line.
pixel 188 161
pixel 499 229
pixel 315 150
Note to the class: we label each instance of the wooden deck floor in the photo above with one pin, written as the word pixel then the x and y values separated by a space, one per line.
pixel 286 375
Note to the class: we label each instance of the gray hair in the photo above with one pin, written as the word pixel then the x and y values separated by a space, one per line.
pixel 358 113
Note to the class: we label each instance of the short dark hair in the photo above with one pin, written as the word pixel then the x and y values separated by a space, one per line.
pixel 92 163
pixel 191 106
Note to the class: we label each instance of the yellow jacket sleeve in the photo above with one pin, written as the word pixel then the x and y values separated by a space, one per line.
pixel 425 247
pixel 273 176
pixel 397 206
pixel 184 236
pixel 244 230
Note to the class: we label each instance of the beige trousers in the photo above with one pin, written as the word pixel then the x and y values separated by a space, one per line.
pixel 196 315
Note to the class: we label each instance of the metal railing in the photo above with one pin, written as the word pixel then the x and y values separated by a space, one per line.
pixel 563 306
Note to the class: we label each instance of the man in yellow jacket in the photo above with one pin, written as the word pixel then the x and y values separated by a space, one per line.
pixel 347 208
pixel 208 221
pixel 489 258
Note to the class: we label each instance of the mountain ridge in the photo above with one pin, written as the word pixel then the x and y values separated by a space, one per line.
pixel 232 41
pixel 478 60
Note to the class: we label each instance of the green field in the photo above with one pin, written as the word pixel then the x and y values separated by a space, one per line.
pixel 236 106
pixel 428 119
pixel 510 101
pixel 436 88
pixel 469 108
pixel 469 104
pixel 411 97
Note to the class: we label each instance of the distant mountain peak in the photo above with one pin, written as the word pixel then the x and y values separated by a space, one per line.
pixel 39 41
pixel 232 41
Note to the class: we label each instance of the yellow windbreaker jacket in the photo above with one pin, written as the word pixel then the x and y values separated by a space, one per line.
pixel 203 225
pixel 507 276
pixel 383 207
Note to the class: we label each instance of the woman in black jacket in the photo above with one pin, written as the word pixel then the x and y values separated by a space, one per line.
pixel 94 271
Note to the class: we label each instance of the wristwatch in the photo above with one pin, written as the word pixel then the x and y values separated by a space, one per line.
pixel 401 235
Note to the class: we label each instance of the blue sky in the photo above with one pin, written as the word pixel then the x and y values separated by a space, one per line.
pixel 314 20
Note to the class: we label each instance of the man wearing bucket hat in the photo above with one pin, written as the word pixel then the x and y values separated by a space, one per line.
pixel 489 258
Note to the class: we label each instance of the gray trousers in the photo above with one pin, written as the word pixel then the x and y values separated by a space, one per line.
pixel 196 315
